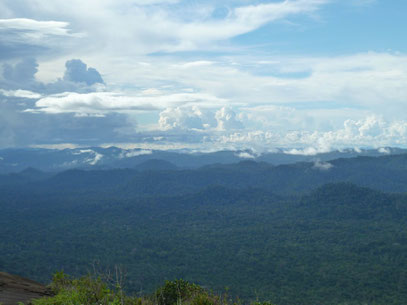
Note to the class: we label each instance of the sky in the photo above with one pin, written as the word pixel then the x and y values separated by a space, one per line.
pixel 308 75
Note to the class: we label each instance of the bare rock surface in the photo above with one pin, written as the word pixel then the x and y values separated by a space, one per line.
pixel 15 289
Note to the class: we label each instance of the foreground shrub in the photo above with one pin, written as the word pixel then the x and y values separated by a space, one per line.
pixel 89 290
pixel 177 292
pixel 86 291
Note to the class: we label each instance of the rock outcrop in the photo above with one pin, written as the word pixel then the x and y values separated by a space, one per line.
pixel 15 289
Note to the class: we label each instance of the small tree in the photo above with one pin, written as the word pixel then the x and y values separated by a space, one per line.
pixel 176 292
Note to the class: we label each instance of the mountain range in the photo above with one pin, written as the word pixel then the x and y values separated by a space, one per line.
pixel 16 160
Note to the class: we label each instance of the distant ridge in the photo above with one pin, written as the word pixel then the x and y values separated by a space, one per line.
pixel 156 165
pixel 161 177
pixel 15 289
pixel 48 160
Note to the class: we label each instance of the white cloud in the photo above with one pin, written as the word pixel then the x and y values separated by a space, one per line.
pixel 310 103
pixel 186 118
pixel 257 15
pixel 96 103
pixel 239 21
pixel 361 133
pixel 24 30
pixel 20 93
pixel 154 2
pixel 131 27
pixel 88 103
pixel 384 150
pixel 365 82
pixel 246 155
pixel 194 64
pixel 324 166
pixel 93 158
pixel 195 118
pixel 59 146
pixel 308 151
pixel 135 153
pixel 35 27
pixel 227 119
pixel 151 91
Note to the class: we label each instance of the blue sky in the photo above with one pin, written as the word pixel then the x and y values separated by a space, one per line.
pixel 313 75
pixel 338 28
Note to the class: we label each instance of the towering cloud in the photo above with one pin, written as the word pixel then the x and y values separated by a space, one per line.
pixel 77 71
pixel 23 71
pixel 77 77
pixel 227 119
pixel 19 76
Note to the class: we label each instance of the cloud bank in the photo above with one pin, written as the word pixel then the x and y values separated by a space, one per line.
pixel 204 73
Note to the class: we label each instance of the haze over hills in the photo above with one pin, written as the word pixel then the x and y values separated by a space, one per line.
pixel 16 160
pixel 155 177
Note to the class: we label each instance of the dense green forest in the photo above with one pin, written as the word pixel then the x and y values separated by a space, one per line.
pixel 228 227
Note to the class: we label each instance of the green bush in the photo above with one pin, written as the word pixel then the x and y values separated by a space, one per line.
pixel 86 291
pixel 177 292
pixel 93 291
pixel 204 299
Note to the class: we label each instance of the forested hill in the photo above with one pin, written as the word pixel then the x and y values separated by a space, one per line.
pixel 386 173
pixel 338 244
pixel 308 233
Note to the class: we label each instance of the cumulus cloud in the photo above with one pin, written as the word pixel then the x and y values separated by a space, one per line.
pixel 186 118
pixel 77 78
pixel 78 72
pixel 20 75
pixel 227 119
pixel 177 118
pixel 196 118
pixel 360 133
pixel 310 104
pixel 364 79
pixel 24 71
